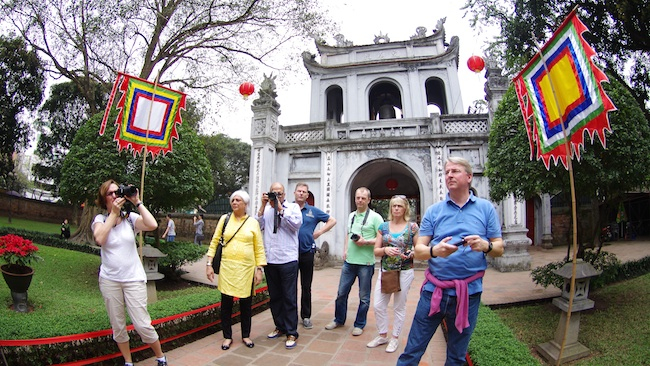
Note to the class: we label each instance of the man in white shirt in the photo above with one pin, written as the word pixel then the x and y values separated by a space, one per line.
pixel 280 222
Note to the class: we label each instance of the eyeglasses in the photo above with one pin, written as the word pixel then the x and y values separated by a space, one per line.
pixel 111 193
pixel 400 196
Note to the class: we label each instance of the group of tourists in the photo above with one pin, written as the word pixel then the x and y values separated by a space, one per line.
pixel 454 237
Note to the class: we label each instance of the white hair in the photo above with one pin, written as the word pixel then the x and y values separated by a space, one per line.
pixel 241 193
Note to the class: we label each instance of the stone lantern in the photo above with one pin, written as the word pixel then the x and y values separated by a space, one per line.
pixel 573 349
pixel 150 257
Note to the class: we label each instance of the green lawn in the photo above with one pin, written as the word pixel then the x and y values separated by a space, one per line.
pixel 44 227
pixel 616 330
pixel 66 298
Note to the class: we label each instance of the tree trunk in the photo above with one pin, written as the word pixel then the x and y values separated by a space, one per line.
pixel 84 235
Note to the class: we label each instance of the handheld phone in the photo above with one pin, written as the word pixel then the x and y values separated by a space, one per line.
pixel 461 242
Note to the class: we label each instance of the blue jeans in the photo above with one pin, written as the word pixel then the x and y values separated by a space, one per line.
pixel 424 326
pixel 349 272
pixel 282 280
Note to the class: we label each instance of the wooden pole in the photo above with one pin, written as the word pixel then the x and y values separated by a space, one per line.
pixel 144 158
pixel 574 216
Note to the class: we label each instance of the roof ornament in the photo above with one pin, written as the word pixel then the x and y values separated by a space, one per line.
pixel 341 41
pixel 420 32
pixel 382 38
pixel 440 25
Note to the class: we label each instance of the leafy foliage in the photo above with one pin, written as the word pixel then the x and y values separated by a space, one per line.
pixel 177 179
pixel 230 162
pixel 197 44
pixel 611 267
pixel 618 31
pixel 179 253
pixel 21 90
pixel 599 173
pixel 62 114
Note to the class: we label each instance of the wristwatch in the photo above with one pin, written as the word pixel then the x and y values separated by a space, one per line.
pixel 489 248
pixel 208 264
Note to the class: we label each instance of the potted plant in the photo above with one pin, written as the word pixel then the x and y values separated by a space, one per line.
pixel 18 254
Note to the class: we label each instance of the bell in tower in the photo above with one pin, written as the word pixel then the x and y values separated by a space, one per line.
pixel 386 111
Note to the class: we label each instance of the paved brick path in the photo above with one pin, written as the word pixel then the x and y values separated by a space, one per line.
pixel 318 346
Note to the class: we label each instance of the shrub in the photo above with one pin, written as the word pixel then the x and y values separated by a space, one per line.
pixel 178 254
pixel 611 267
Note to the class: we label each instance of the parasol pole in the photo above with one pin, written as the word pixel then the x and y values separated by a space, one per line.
pixel 574 218
pixel 144 158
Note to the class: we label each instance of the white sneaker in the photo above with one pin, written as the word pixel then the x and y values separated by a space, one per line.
pixel 357 331
pixel 392 345
pixel 331 325
pixel 378 341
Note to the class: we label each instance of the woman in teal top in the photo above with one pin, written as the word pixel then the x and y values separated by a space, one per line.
pixel 394 244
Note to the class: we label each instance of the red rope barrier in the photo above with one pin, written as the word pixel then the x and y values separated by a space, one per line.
pixel 105 332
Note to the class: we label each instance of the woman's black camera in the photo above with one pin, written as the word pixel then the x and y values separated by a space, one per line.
pixel 355 237
pixel 126 190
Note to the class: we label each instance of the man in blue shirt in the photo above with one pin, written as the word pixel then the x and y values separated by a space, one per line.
pixel 280 221
pixel 463 230
pixel 311 217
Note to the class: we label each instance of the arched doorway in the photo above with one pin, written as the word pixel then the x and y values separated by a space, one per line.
pixel 385 178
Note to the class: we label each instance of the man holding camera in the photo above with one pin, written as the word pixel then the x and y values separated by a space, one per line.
pixel 280 222
pixel 359 261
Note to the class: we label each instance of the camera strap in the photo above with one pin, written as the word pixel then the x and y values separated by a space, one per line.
pixel 365 218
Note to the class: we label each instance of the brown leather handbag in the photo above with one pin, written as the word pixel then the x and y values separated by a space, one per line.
pixel 390 282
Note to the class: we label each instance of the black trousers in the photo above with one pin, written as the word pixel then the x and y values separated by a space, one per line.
pixel 226 315
pixel 282 280
pixel 306 269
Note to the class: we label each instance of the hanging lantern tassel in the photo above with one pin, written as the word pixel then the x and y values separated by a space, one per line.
pixel 476 63
pixel 246 89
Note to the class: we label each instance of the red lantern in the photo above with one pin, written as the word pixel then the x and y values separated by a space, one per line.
pixel 246 89
pixel 476 63
pixel 391 184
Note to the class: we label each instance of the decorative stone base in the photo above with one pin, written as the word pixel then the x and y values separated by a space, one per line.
pixel 152 295
pixel 20 302
pixel 515 256
pixel 551 352
pixel 321 257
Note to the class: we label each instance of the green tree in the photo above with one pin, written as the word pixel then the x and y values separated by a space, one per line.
pixel 62 114
pixel 175 180
pixel 619 32
pixel 21 90
pixel 602 175
pixel 230 162
pixel 202 44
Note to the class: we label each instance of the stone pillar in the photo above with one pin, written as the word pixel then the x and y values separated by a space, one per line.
pixel 547 236
pixel 265 134
pixel 515 257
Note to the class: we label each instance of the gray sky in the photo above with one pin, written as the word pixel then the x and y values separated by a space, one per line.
pixel 360 21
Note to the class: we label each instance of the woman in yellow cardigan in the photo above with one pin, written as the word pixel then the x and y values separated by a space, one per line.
pixel 241 266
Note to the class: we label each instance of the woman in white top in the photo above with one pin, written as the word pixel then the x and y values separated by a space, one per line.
pixel 122 280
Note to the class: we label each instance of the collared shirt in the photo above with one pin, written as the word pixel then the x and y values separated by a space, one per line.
pixel 311 216
pixel 281 247
pixel 446 218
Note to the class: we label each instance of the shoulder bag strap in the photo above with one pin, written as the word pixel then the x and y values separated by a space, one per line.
pixel 233 235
